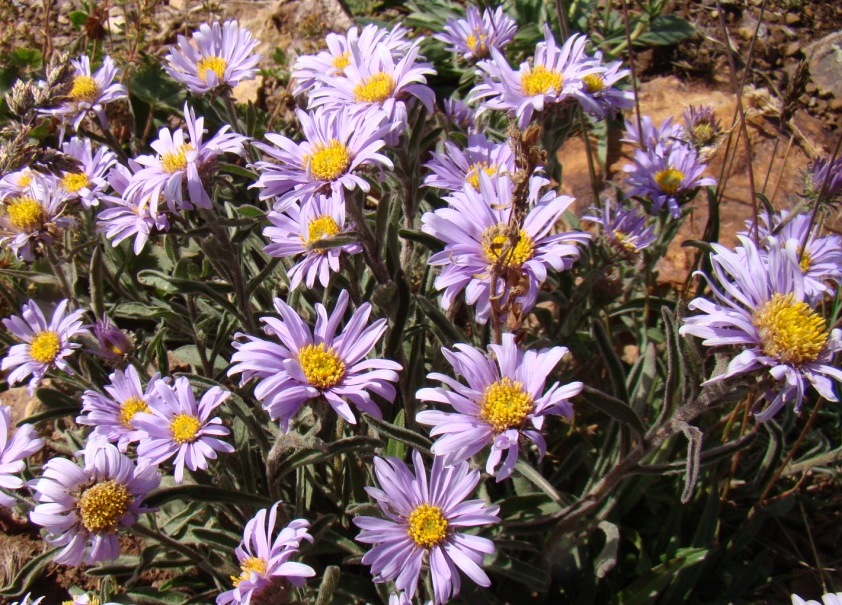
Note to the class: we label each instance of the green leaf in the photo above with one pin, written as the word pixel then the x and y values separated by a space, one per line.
pixel 425 239
pixel 527 574
pixel 337 241
pixel 25 57
pixel 310 456
pixel 405 436
pixel 666 30
pixel 78 19
pixel 151 85
pixel 607 557
pixel 615 366
pixel 189 354
pixel 618 410
pixel 28 575
pixel 204 493
pixel 644 590
pixel 445 329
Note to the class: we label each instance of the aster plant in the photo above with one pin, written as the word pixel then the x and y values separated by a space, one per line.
pixel 761 307
pixel 474 36
pixel 15 448
pixel 503 403
pixel 82 508
pixel 424 526
pixel 299 365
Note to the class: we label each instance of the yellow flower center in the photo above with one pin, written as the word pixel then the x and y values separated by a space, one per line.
pixel 330 161
pixel 74 181
pixel 427 526
pixel 790 331
pixel 623 240
pixel 477 43
pixel 496 244
pixel 44 346
pixel 342 61
pixel 540 80
pixel 184 428
pixel 594 83
pixel 215 64
pixel 85 89
pixel 91 601
pixel 322 367
pixel 669 180
pixel 473 173
pixel 102 505
pixel 806 261
pixel 173 161
pixel 375 89
pixel 322 227
pixel 130 407
pixel 248 566
pixel 505 404
pixel 703 134
pixel 24 180
pixel 25 214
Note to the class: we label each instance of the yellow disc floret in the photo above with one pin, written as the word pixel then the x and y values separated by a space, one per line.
pixel 185 428
pixel 130 407
pixel 790 331
pixel 594 83
pixel 102 505
pixel 427 526
pixel 806 261
pixel 540 80
pixel 25 215
pixel 322 227
pixel 669 180
pixel 329 162
pixel 342 61
pixel 375 89
pixel 474 170
pixel 496 245
pixel 321 366
pixel 84 89
pixel 74 181
pixel 174 161
pixel 215 64
pixel 505 405
pixel 44 346
pixel 248 566
pixel 477 44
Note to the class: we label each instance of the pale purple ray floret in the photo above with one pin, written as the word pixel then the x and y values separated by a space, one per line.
pixel 15 447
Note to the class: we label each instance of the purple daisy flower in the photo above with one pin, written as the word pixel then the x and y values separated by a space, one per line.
pixel 309 70
pixel 216 56
pixel 379 82
pixel 295 233
pixel 14 448
pixel 113 344
pixel 474 230
pixel 473 36
pixel 16 184
pixel 32 218
pixel 666 177
pixel 702 130
pixel 123 217
pixel 306 365
pixel 555 76
pixel 89 182
pixel 824 178
pixel 424 523
pixel 178 161
pixel 600 96
pixel 624 229
pixel 821 259
pixel 82 508
pixel 45 345
pixel 112 415
pixel 460 115
pixel 649 136
pixel 265 558
pixel 175 425
pixel 455 167
pixel 338 144
pixel 762 308
pixel 830 598
pixel 504 401
pixel 88 93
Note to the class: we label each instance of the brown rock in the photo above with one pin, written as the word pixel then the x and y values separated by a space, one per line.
pixel 825 57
